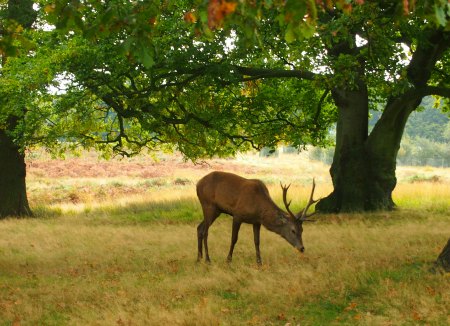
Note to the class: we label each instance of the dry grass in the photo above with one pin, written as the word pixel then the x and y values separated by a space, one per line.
pixel 130 258
pixel 73 271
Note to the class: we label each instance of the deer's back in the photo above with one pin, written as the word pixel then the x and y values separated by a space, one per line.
pixel 233 194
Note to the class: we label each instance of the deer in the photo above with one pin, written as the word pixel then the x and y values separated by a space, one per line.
pixel 247 201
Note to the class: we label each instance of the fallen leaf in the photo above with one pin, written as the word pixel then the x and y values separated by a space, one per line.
pixel 430 290
pixel 351 306
pixel 416 316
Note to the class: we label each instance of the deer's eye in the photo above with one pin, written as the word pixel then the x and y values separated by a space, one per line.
pixel 293 231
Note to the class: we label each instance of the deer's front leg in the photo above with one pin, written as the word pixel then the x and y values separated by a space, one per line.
pixel 234 237
pixel 256 233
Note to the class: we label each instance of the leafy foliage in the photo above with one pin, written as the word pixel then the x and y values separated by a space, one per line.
pixel 186 93
pixel 209 78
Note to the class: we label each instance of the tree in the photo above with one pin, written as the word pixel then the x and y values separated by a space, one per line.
pixel 33 111
pixel 286 80
pixel 15 16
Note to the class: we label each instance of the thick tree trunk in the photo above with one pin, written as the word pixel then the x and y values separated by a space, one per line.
pixel 13 196
pixel 349 167
pixel 443 260
pixel 363 169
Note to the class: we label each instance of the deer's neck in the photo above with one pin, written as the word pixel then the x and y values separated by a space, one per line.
pixel 272 221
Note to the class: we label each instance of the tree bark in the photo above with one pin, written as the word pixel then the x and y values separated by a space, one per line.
pixel 443 259
pixel 363 168
pixel 349 168
pixel 13 195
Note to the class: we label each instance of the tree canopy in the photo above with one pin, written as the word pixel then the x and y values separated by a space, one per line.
pixel 211 78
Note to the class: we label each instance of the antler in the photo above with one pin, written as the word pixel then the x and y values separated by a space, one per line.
pixel 285 189
pixel 304 217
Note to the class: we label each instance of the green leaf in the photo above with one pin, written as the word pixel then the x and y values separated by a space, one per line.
pixel 307 30
pixel 146 59
pixel 440 15
pixel 289 35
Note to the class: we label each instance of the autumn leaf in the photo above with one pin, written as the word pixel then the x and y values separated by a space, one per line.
pixel 189 17
pixel 218 10
pixel 405 7
pixel 430 290
pixel 351 306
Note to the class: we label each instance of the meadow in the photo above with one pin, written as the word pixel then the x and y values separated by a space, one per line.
pixel 114 243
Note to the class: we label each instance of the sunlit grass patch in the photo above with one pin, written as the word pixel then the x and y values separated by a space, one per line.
pixel 429 196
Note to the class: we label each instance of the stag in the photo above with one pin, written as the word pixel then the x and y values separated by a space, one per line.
pixel 247 201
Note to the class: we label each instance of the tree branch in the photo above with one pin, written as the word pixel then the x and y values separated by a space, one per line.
pixel 424 59
pixel 319 106
pixel 435 90
pixel 260 73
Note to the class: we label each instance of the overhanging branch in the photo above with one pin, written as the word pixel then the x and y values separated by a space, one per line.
pixel 435 90
pixel 261 73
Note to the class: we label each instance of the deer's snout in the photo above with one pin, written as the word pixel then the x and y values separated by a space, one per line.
pixel 300 248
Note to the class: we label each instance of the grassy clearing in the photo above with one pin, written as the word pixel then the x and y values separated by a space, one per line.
pixel 129 259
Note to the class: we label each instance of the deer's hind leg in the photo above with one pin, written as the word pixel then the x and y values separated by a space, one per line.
pixel 210 213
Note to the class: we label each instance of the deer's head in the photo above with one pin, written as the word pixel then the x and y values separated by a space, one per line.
pixel 293 223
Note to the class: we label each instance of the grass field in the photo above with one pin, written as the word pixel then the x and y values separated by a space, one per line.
pixel 114 243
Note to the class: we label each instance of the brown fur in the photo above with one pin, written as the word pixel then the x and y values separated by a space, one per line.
pixel 247 201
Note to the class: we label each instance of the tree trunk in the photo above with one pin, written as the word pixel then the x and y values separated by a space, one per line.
pixel 444 258
pixel 13 196
pixel 350 167
pixel 363 168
